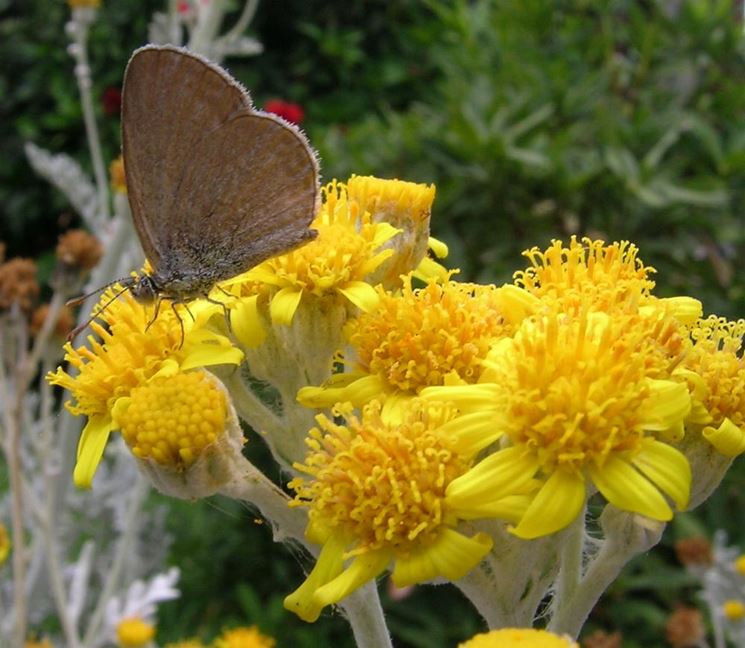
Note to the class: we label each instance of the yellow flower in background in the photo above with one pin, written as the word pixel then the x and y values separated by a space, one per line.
pixel 40 643
pixel 518 638
pixel 117 177
pixel 413 339
pixel 573 398
pixel 5 544
pixel 134 633
pixel 733 610
pixel 79 4
pixel 336 265
pixel 186 643
pixel 715 371
pixel 131 353
pixel 377 495
pixel 249 637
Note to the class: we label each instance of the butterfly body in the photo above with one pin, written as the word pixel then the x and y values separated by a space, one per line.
pixel 214 185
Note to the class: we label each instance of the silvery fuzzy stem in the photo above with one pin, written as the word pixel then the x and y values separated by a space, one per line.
pixel 47 516
pixel 250 485
pixel 364 612
pixel 78 29
pixel 113 575
pixel 249 10
pixel 570 560
pixel 507 587
pixel 626 536
pixel 209 17
pixel 15 344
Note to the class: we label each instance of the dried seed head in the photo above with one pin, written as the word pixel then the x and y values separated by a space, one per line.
pixel 18 284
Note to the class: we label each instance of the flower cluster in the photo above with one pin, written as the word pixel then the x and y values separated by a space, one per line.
pixel 450 406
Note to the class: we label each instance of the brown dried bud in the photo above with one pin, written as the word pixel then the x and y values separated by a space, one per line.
pixel 602 639
pixel 694 551
pixel 65 320
pixel 78 249
pixel 18 284
pixel 685 628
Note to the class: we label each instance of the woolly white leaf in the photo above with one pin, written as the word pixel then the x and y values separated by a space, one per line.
pixel 141 599
pixel 79 575
pixel 164 28
pixel 240 46
pixel 66 175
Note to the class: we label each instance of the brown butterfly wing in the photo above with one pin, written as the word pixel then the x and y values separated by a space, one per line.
pixel 171 101
pixel 248 192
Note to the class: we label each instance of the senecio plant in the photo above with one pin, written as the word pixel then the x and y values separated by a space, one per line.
pixel 433 428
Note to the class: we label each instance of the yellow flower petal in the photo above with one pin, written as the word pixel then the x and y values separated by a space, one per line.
pixel 627 489
pixel 668 404
pixel 517 303
pixel 452 555
pixel 555 506
pixel 361 294
pixel 501 474
pixel 246 323
pixel 438 247
pixel 328 566
pixel 473 432
pixel 667 468
pixel 90 449
pixel 284 304
pixel 340 388
pixel 362 569
pixel 728 439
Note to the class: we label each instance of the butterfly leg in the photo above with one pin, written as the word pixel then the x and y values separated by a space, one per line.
pixel 155 315
pixel 225 311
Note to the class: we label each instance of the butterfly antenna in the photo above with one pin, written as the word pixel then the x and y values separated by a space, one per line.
pixel 76 301
pixel 95 314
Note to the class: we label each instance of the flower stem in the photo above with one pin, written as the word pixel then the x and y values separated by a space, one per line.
pixel 627 535
pixel 365 614
pixel 82 18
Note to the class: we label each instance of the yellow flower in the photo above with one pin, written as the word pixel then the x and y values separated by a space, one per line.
pixel 715 371
pixel 413 339
pixel 518 638
pixel 172 418
pixel 243 638
pixel 134 632
pixel 41 643
pixel 734 610
pixel 336 265
pixel 740 565
pixel 5 544
pixel 405 205
pixel 118 178
pixel 607 276
pixel 79 4
pixel 377 495
pixel 133 351
pixel 573 399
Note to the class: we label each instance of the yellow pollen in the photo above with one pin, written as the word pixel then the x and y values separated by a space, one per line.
pixel 172 420
pixel 413 340
pixel 394 201
pixel 572 389
pixel 383 484
pixel 608 275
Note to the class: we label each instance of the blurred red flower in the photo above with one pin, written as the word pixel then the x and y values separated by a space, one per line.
pixel 111 100
pixel 292 112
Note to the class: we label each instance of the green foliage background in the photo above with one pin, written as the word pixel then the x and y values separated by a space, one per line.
pixel 538 119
